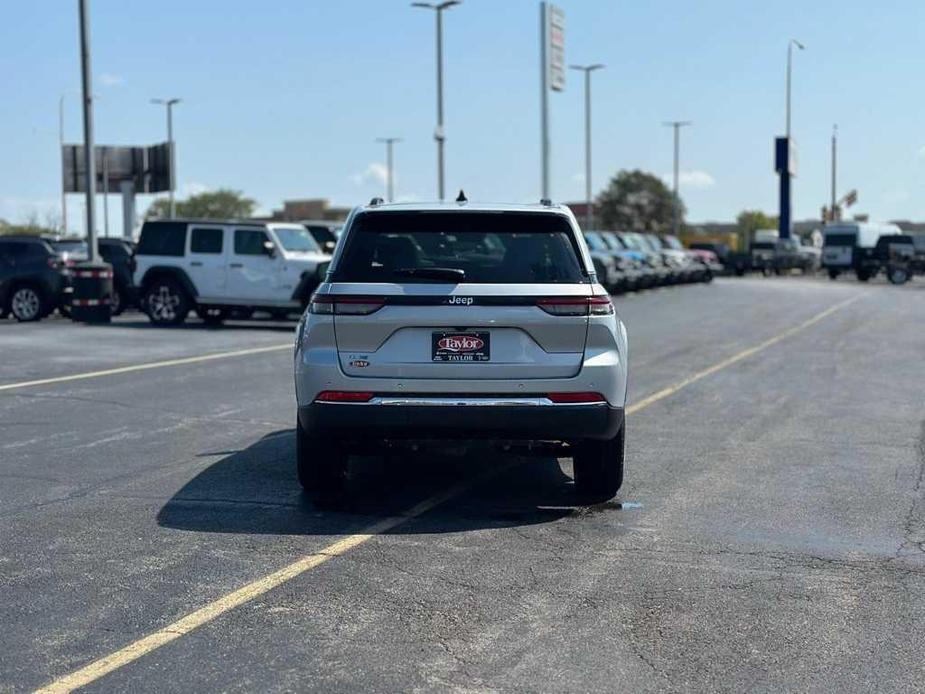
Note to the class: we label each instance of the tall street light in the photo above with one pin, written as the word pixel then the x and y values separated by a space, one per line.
pixel 61 99
pixel 169 103
pixel 588 69
pixel 390 184
pixel 676 202
pixel 89 150
pixel 438 133
pixel 790 45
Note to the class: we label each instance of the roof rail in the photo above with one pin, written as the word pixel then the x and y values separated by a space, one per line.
pixel 546 202
pixel 376 201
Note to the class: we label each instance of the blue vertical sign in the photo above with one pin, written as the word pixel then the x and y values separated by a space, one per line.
pixel 785 163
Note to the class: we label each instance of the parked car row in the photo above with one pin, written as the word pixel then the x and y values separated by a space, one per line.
pixel 630 261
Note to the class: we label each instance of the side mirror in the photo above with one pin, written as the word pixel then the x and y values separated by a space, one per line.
pixel 269 248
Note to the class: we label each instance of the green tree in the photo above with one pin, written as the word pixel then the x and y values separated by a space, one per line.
pixel 636 200
pixel 749 221
pixel 217 204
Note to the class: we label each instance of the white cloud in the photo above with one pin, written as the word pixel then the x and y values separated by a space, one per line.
pixel 375 172
pixel 691 179
pixel 108 79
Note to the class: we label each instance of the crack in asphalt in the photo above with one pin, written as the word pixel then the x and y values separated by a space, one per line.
pixel 914 517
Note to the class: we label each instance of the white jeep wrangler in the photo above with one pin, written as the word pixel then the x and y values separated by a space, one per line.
pixel 222 267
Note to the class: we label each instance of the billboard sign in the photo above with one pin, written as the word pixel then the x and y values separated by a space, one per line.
pixel 147 168
pixel 555 47
pixel 785 156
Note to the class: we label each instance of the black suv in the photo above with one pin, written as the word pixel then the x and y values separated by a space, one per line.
pixel 33 281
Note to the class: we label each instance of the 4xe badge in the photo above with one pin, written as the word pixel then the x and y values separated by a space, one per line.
pixel 460 301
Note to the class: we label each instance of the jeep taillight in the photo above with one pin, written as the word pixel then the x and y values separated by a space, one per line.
pixel 577 305
pixel 345 305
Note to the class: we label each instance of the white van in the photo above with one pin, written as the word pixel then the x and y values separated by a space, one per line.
pixel 849 246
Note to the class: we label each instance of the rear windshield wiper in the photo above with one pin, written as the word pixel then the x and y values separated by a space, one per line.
pixel 450 274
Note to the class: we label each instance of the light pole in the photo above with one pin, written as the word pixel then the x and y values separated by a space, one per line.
pixel 169 103
pixel 390 184
pixel 438 133
pixel 676 202
pixel 89 158
pixel 790 45
pixel 832 215
pixel 61 154
pixel 588 69
pixel 61 99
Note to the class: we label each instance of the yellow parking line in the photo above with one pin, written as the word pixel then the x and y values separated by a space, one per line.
pixel 184 625
pixel 145 367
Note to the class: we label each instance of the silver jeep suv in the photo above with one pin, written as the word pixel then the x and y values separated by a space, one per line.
pixel 463 321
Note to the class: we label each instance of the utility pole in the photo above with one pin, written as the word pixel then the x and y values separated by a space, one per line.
pixel 784 151
pixel 439 135
pixel 89 158
pixel 170 103
pixel 589 205
pixel 676 201
pixel 832 213
pixel 390 166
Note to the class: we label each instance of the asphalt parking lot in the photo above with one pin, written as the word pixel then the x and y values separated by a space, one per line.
pixel 770 535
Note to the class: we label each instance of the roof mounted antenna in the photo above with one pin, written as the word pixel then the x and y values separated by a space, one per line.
pixel 461 198
pixel 376 201
pixel 546 202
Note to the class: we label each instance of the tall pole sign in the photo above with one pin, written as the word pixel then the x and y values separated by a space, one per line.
pixel 552 75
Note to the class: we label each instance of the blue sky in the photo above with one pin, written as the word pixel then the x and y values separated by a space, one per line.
pixel 284 98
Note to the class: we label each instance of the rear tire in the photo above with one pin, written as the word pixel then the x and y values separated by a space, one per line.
pixel 833 274
pixel 863 276
pixel 26 303
pixel 598 467
pixel 897 275
pixel 166 302
pixel 117 301
pixel 321 464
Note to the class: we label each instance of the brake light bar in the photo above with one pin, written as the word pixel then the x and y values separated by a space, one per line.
pixel 350 305
pixel 576 305
pixel 343 396
pixel 575 398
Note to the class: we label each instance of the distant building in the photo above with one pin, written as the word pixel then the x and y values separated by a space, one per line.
pixel 309 208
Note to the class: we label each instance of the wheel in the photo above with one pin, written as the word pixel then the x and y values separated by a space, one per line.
pixel 707 276
pixel 833 274
pixel 166 303
pixel 26 303
pixel 212 316
pixel 321 464
pixel 599 467
pixel 897 275
pixel 116 301
pixel 863 276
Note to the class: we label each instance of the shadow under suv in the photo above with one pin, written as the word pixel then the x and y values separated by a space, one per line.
pixel 466 322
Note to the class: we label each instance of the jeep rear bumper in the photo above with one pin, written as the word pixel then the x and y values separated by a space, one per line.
pixel 516 422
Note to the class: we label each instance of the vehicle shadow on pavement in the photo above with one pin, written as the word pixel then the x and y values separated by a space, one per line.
pixel 255 491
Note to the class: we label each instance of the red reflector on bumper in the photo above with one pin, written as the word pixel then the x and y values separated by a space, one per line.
pixel 343 396
pixel 574 398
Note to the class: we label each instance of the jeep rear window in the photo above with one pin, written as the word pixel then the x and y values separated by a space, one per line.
pixel 472 247
pixel 162 238
pixel 840 239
